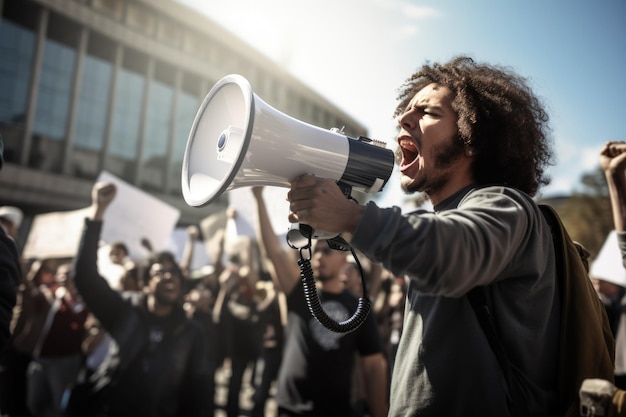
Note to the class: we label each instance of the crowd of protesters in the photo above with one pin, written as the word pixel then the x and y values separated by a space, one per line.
pixel 66 328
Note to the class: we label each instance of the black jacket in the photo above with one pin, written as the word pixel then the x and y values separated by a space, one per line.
pixel 167 376
pixel 10 276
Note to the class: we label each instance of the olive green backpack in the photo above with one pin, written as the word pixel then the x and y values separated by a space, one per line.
pixel 587 347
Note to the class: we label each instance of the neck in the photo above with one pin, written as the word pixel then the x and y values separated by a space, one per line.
pixel 333 285
pixel 157 308
pixel 448 190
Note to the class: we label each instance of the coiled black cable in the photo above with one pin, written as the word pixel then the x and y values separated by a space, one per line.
pixel 315 307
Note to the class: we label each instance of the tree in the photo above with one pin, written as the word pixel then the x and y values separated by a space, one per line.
pixel 587 212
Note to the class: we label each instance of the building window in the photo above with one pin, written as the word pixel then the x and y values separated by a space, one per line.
pixel 157 133
pixel 126 124
pixel 16 54
pixel 91 116
pixel 93 103
pixel 185 113
pixel 53 102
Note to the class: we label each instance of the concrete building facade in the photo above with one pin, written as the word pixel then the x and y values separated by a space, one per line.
pixel 113 85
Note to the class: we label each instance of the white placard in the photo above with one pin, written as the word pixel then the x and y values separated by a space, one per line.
pixel 608 266
pixel 134 215
pixel 55 235
pixel 177 243
pixel 242 200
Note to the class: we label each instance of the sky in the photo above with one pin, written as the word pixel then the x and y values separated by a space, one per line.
pixel 356 53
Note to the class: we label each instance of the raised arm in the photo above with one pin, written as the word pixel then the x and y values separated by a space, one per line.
pixel 105 303
pixel 613 163
pixel 285 272
pixel 190 243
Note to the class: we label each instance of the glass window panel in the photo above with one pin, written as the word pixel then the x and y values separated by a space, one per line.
pixel 52 108
pixel 55 88
pixel 127 115
pixel 16 54
pixel 185 113
pixel 93 102
pixel 157 133
pixel 158 122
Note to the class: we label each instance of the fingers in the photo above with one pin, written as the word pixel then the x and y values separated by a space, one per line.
pixel 613 148
pixel 300 198
pixel 108 190
pixel 319 203
pixel 305 194
pixel 103 192
pixel 293 218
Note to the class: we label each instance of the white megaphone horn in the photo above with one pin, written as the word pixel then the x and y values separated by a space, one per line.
pixel 238 140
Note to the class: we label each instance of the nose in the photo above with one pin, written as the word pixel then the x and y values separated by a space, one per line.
pixel 407 120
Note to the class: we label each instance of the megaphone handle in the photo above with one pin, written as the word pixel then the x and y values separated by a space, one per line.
pixel 345 188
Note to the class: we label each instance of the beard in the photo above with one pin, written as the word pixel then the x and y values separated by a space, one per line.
pixel 439 175
pixel 166 298
pixel 320 276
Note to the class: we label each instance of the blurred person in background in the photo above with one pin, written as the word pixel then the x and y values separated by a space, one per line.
pixel 613 163
pixel 11 219
pixel 33 305
pixel 273 318
pixel 316 373
pixel 612 291
pixel 57 355
pixel 10 267
pixel 158 361
pixel 236 313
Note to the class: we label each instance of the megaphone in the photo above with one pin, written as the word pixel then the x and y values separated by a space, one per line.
pixel 238 140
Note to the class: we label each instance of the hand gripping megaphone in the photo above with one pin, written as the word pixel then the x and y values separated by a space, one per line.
pixel 238 140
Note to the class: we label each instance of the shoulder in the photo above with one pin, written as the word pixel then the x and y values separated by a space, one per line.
pixel 502 201
pixel 192 328
pixel 496 195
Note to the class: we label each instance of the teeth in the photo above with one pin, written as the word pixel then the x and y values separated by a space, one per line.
pixel 406 143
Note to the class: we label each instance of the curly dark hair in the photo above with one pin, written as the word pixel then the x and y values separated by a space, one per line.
pixel 498 115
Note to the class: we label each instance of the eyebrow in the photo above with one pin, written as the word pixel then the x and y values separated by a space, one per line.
pixel 422 106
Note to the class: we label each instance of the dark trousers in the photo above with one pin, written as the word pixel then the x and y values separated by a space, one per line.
pixel 13 365
pixel 238 368
pixel 271 363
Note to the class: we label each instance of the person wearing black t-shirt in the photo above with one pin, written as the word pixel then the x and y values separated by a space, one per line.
pixel 316 371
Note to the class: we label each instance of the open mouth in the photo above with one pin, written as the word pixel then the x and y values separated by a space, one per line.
pixel 168 287
pixel 409 153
